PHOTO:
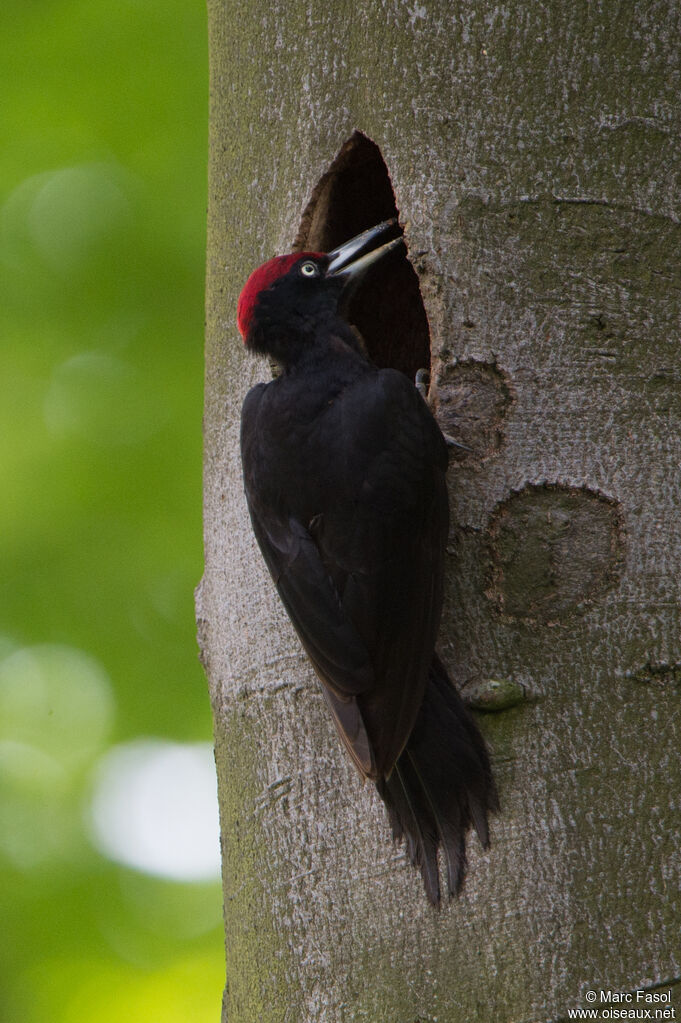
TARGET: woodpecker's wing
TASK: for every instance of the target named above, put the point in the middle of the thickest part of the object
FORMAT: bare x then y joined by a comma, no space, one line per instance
313,604
337,652
352,523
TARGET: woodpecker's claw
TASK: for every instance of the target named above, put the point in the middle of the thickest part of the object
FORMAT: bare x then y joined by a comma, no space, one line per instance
422,382
451,443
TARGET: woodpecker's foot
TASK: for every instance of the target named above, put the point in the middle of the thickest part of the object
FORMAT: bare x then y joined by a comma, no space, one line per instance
451,443
422,382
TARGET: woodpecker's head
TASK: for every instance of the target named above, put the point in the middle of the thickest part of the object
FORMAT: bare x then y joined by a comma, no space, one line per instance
286,299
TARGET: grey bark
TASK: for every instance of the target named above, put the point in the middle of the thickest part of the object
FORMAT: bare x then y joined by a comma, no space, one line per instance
534,154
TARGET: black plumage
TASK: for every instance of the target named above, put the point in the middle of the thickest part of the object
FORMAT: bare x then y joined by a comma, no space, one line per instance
344,471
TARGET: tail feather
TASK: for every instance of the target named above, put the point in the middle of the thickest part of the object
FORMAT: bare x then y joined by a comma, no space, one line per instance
422,839
451,834
441,786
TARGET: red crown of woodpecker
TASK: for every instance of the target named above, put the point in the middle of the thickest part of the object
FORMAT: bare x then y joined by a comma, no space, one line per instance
260,280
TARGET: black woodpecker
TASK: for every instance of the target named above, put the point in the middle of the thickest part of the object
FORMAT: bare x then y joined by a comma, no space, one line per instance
344,471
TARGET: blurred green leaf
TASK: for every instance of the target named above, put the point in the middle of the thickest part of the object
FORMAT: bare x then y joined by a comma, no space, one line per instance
102,205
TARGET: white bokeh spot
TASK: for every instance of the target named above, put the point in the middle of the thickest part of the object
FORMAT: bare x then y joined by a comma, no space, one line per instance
155,809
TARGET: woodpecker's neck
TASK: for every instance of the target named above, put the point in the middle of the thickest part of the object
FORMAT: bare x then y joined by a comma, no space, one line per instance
295,320
338,346
304,343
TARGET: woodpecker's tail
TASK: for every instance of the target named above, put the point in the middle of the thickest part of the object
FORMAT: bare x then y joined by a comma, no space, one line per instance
441,785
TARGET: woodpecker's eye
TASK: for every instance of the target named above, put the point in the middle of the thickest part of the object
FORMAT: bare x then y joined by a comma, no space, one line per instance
309,269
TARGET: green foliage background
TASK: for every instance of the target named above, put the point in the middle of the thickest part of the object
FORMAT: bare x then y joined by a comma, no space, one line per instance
102,207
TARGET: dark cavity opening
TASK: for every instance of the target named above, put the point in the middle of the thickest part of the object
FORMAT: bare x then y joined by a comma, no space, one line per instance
387,309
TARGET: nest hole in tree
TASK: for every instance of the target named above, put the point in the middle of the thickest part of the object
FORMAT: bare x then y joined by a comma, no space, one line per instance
387,309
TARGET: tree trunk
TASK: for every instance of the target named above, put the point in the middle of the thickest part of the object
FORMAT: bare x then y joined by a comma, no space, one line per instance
533,155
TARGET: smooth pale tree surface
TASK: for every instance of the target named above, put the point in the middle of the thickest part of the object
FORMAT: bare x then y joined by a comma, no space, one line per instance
109,898
534,156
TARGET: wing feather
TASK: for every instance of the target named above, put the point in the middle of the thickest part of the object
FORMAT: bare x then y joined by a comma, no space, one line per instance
353,532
